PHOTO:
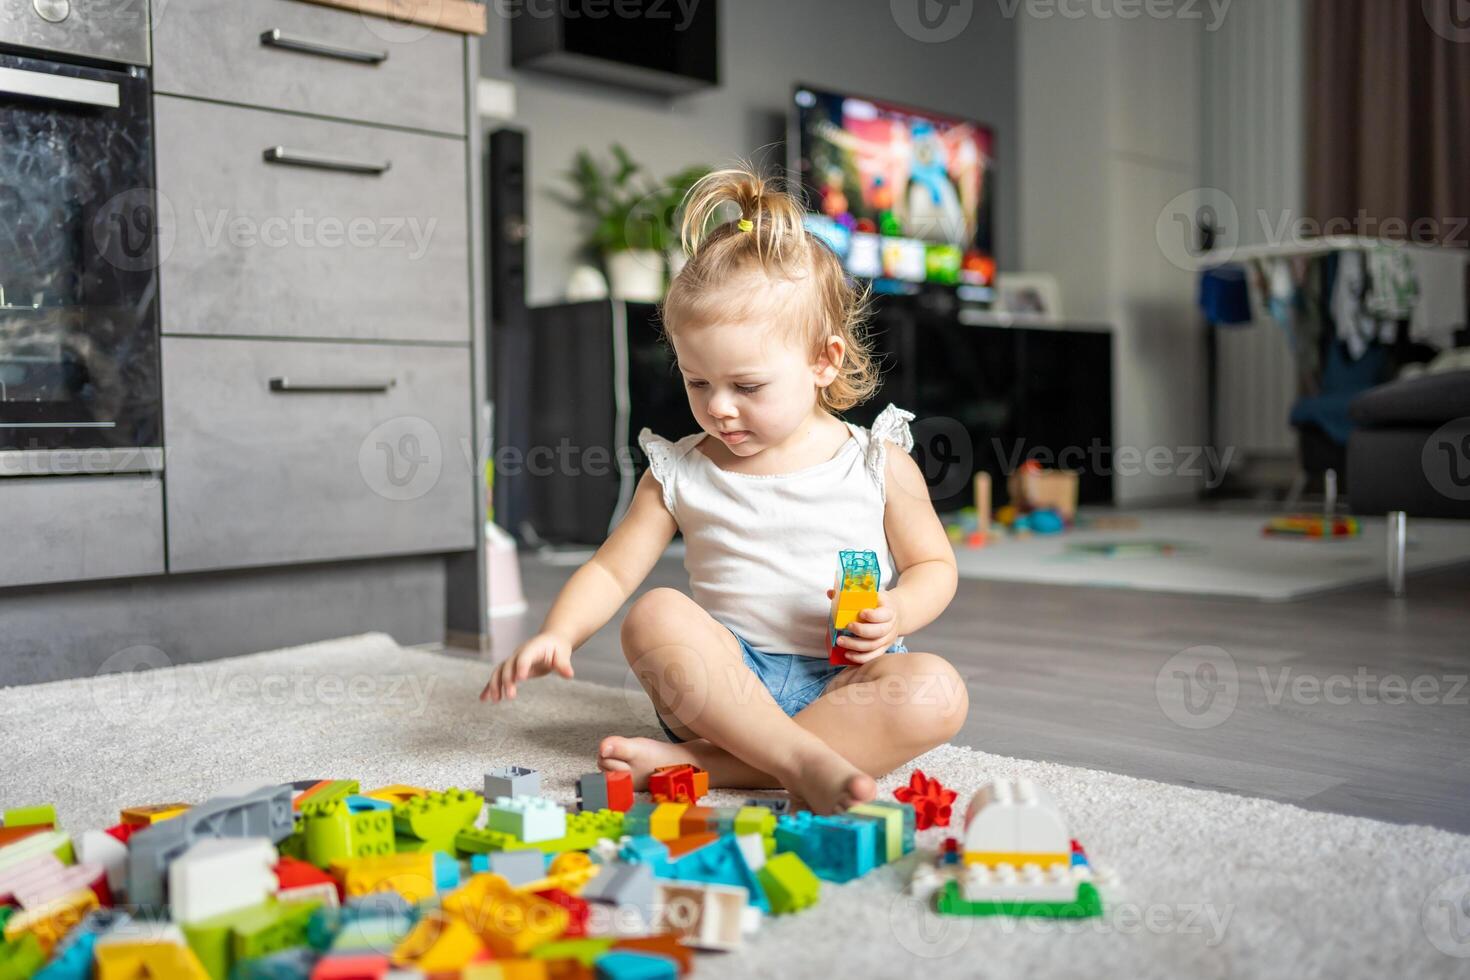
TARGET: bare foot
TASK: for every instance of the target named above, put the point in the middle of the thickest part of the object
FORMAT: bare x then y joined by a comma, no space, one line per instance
828,783
640,756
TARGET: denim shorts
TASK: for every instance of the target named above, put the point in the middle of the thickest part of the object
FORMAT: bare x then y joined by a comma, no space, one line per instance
794,680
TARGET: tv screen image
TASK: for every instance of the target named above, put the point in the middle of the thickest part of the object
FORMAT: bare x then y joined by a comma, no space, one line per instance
899,193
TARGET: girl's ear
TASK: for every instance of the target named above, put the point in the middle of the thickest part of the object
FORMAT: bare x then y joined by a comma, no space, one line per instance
829,361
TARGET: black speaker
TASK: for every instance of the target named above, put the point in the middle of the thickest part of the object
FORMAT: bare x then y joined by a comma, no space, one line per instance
507,230
510,333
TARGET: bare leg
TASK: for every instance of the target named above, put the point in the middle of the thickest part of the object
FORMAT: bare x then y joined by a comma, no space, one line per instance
691,667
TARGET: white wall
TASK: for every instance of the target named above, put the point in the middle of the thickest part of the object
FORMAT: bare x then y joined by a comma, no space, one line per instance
1109,112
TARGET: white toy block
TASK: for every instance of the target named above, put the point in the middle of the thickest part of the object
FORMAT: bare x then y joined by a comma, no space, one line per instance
23,874
1011,884
753,849
221,875
45,842
1015,816
703,915
530,818
47,888
100,847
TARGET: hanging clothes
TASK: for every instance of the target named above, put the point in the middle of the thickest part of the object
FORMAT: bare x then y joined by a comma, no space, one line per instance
1224,297
1393,285
1357,328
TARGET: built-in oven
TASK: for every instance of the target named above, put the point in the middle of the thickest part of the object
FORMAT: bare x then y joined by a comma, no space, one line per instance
79,240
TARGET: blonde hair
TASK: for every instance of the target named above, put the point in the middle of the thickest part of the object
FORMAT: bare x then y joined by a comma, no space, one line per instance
715,284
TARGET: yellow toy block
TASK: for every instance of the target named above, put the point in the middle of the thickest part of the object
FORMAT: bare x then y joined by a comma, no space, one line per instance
438,943
1018,859
509,922
663,822
847,604
506,970
147,961
52,920
144,816
410,875
569,872
397,793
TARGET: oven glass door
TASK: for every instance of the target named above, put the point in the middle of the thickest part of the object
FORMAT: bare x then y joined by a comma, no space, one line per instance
79,252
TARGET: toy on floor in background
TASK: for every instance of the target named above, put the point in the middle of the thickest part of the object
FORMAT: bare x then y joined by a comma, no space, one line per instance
1032,488
973,524
856,589
1312,526
1015,858
678,784
931,800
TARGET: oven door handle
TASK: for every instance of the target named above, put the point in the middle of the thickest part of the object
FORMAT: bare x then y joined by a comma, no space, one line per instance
277,38
320,161
372,387
59,88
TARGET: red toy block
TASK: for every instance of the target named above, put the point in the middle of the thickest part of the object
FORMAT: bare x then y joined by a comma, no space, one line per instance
354,966
123,831
291,873
930,800
577,911
620,791
9,835
697,820
681,783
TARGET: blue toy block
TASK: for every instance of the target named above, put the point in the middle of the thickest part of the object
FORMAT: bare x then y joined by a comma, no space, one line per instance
636,820
512,781
72,959
910,820
527,818
362,804
627,964
289,964
880,835
724,820
721,862
644,849
836,849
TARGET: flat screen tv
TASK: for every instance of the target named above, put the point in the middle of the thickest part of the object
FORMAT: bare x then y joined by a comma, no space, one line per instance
904,196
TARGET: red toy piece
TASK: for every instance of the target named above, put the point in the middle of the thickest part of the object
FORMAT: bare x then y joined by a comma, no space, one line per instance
681,783
930,800
577,911
619,791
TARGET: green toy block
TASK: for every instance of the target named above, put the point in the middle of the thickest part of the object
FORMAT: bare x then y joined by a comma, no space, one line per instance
412,845
210,939
893,823
31,816
755,820
337,789
480,840
584,830
270,928
1087,905
294,846
6,911
910,819
21,958
584,951
438,815
334,832
789,884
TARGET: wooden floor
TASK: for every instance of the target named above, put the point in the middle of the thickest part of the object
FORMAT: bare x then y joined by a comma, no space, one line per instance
1071,675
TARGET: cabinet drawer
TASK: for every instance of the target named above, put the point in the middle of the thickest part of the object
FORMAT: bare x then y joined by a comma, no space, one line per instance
282,451
72,528
255,248
283,54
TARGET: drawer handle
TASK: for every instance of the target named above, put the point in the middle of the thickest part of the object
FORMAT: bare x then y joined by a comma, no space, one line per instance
296,158
287,386
278,38
58,88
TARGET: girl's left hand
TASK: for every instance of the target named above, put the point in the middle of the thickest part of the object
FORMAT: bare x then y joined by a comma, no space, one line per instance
873,632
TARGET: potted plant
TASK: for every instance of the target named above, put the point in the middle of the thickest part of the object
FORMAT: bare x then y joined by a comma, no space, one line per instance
628,217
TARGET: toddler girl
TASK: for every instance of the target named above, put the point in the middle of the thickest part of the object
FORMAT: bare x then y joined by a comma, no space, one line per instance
766,329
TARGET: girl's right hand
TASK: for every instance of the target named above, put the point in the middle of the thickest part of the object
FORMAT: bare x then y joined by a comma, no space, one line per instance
541,654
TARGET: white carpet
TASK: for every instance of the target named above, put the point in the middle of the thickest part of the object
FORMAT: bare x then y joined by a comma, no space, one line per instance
1224,554
1215,885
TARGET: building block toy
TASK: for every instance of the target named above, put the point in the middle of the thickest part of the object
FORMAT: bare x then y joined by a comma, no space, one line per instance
47,841
683,844
932,802
908,822
528,818
835,848
42,814
268,929
517,867
635,821
167,956
9,835
145,816
646,850
592,791
358,966
584,830
619,790
893,823
214,877
663,822
633,965
753,849
1086,904
629,888
789,884
856,588
678,784
322,791
1013,821
509,922
585,950
437,944
666,946
51,921
289,964
414,876
25,873
397,793
72,957
577,910
754,820
340,828
101,848
21,958
704,915
698,820
720,863
436,816
512,781
777,805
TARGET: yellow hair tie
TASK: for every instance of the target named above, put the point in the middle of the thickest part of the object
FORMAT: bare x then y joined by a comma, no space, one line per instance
746,224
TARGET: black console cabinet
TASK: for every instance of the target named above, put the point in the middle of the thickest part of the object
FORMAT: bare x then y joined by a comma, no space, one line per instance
987,397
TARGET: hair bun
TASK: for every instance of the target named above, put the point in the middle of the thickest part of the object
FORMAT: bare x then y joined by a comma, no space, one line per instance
775,217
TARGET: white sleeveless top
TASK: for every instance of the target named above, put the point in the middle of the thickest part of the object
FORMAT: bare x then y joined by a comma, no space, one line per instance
761,551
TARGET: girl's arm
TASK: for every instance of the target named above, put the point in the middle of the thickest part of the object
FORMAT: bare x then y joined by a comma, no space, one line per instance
594,593
922,557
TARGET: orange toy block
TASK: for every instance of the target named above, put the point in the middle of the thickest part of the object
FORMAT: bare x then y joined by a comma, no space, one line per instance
681,783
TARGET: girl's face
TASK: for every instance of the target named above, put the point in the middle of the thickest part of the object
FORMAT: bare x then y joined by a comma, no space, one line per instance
750,385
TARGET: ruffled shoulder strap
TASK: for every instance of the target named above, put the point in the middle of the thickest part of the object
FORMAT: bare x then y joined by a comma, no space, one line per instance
891,425
663,459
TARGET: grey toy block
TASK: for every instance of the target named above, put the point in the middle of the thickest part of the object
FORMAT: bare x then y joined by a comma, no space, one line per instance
266,812
627,886
512,781
777,805
592,791
518,867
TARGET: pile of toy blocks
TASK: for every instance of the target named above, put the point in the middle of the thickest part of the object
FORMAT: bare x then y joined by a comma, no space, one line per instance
320,879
